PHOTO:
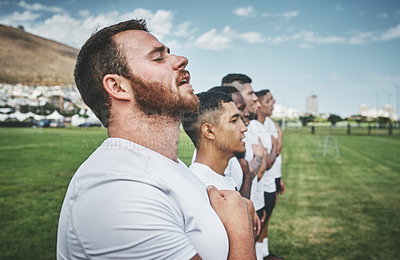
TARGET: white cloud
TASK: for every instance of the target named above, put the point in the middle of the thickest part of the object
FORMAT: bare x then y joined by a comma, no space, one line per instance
358,38
19,17
245,11
391,34
74,31
251,37
290,15
305,46
287,16
159,23
385,79
277,39
173,45
84,13
183,29
311,37
39,7
69,34
212,40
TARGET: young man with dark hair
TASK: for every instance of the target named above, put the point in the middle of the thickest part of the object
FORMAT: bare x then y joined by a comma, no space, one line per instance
133,198
276,132
258,129
241,171
217,132
243,84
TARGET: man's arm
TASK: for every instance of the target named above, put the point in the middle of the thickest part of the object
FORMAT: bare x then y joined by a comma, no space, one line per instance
255,164
248,176
283,187
272,155
264,164
280,140
235,213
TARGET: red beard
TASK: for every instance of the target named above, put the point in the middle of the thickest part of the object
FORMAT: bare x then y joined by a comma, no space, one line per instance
156,99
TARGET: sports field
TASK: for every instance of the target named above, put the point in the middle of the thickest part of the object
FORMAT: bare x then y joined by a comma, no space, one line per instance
334,208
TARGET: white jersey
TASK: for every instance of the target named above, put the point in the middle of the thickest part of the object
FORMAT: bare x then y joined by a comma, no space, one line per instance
127,201
255,131
233,169
210,177
276,168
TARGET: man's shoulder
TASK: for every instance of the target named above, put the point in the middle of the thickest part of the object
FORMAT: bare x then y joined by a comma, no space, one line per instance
122,161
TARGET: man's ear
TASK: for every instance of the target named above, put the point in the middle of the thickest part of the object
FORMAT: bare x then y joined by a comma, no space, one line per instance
117,86
208,131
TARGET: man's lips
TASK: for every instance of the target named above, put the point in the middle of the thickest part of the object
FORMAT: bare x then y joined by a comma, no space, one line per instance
185,79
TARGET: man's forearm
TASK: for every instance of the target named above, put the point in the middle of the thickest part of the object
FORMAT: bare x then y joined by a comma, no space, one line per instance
280,144
272,157
241,245
248,176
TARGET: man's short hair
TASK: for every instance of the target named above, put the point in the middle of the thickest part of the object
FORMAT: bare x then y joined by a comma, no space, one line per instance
237,80
242,78
210,110
261,93
99,56
229,90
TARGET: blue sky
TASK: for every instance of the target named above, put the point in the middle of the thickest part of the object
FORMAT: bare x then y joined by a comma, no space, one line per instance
346,52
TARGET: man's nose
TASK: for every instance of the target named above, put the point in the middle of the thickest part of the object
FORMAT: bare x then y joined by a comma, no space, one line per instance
180,62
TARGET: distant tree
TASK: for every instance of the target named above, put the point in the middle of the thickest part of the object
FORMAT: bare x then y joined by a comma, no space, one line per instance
383,121
21,27
306,119
334,119
319,119
358,118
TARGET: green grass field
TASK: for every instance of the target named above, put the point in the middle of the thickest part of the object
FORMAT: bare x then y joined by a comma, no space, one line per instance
334,208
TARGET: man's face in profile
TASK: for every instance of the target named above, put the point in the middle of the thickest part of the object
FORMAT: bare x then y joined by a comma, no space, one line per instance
241,106
160,82
230,130
250,98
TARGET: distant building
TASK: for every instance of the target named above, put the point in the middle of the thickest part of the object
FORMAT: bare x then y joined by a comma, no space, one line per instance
312,104
363,109
389,109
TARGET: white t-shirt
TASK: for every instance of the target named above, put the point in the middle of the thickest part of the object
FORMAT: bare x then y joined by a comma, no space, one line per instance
276,168
126,201
257,130
233,169
256,193
210,177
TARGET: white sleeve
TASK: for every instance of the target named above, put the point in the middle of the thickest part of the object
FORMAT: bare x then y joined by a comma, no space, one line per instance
251,138
135,221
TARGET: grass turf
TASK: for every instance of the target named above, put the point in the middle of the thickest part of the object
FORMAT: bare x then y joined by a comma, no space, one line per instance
334,208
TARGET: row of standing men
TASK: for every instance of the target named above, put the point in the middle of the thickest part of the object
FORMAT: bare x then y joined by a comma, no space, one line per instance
238,147
133,198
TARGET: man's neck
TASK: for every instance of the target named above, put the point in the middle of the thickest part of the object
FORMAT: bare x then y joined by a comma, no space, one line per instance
261,118
213,158
157,133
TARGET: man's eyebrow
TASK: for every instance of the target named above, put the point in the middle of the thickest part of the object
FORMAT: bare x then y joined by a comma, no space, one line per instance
234,116
159,49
